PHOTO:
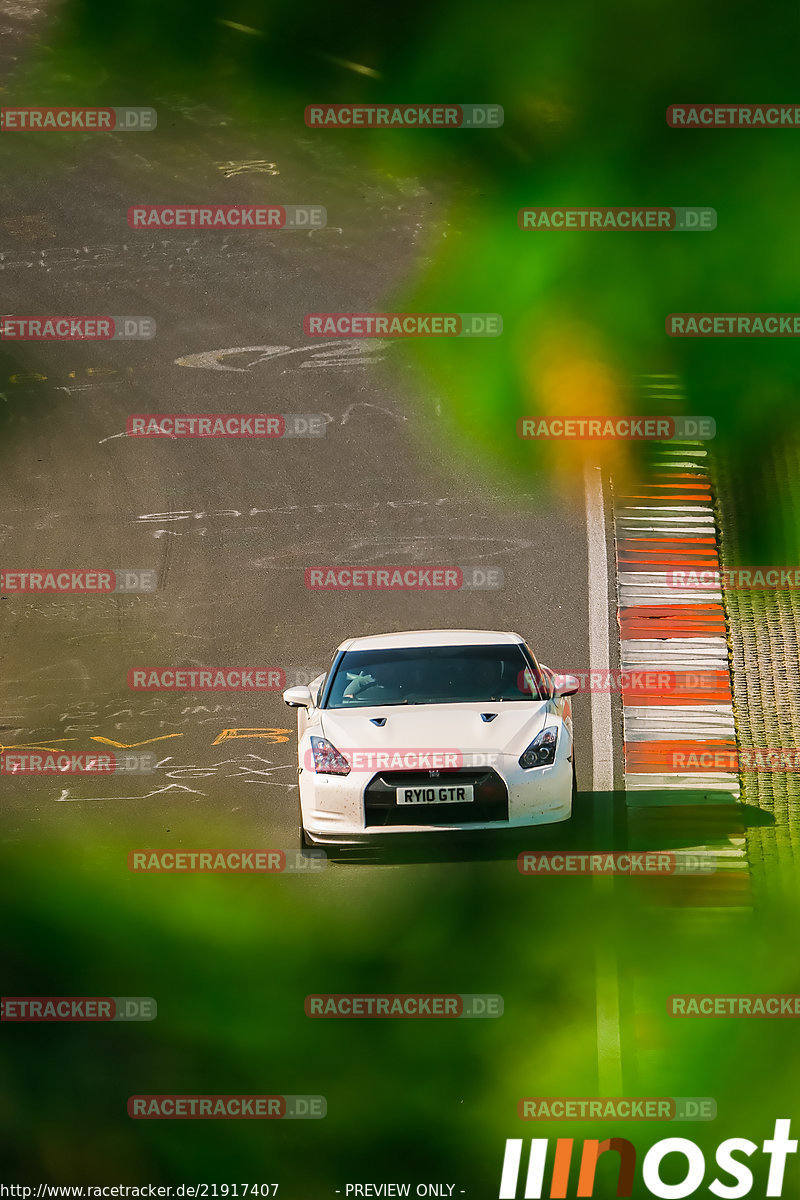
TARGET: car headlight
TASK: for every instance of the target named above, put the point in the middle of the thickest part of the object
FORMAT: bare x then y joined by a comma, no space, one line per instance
542,750
327,759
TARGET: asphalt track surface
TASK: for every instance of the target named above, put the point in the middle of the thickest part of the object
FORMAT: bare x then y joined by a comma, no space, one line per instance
230,525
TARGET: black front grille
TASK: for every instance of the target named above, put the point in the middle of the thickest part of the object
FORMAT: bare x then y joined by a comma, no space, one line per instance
490,801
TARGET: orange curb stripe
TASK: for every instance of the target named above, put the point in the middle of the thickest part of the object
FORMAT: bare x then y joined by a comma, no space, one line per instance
639,697
657,757
666,501
691,565
677,687
688,554
675,546
700,485
697,485
665,621
674,553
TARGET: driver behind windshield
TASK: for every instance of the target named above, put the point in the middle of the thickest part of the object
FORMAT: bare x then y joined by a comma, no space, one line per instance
386,685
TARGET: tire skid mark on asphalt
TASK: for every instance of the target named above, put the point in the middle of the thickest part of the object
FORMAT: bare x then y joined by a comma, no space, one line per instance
334,353
184,514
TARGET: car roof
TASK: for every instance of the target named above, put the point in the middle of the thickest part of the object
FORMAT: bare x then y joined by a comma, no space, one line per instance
432,637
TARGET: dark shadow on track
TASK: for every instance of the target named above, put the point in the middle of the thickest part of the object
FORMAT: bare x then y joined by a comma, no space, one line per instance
481,846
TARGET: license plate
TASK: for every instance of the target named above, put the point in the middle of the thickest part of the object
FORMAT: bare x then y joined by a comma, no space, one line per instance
440,794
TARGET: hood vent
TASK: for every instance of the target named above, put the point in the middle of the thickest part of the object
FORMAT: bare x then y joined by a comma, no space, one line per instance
488,717
379,721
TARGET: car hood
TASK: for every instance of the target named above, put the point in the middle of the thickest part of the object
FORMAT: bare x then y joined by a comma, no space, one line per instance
439,726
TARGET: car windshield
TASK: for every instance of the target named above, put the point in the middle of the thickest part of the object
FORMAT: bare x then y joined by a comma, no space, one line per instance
435,675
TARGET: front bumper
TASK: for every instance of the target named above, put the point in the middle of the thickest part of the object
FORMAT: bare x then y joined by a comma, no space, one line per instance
359,808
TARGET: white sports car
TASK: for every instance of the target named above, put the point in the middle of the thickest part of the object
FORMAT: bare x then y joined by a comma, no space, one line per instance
433,730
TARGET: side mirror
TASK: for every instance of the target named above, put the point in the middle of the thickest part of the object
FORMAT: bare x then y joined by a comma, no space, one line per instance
298,697
565,685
